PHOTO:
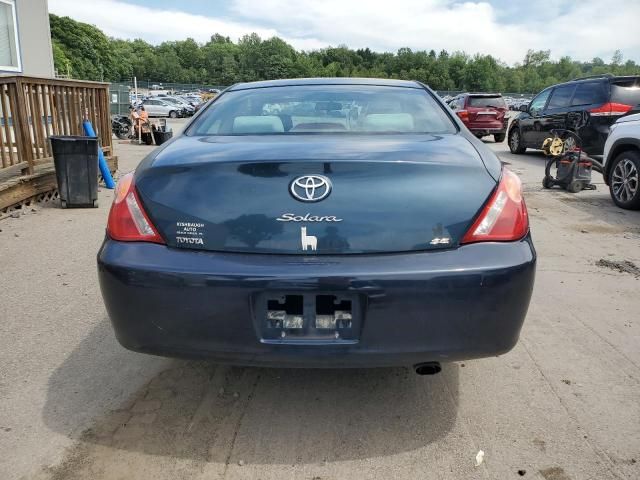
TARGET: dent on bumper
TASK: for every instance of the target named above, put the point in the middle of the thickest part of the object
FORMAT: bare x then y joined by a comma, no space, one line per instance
449,305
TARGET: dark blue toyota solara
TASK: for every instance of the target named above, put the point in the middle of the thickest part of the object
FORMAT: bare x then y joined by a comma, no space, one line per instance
320,223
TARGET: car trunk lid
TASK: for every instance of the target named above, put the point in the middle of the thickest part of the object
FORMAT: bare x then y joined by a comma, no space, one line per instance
390,193
486,109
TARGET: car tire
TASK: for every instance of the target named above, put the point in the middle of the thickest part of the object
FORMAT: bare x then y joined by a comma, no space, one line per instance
624,178
173,114
515,141
499,137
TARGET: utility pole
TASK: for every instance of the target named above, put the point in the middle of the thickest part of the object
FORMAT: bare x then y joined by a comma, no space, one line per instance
135,89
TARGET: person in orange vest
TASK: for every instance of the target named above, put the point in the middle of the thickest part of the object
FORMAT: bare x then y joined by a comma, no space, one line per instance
144,116
142,127
133,115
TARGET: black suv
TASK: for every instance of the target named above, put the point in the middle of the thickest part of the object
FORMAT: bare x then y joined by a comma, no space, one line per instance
587,106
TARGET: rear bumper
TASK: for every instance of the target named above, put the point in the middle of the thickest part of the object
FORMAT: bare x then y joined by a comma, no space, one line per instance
488,129
437,306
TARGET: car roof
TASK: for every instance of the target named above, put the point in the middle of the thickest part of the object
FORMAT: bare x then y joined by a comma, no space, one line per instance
326,81
595,78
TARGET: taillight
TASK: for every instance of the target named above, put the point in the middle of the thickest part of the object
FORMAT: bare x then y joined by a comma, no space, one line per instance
464,115
610,109
504,217
128,221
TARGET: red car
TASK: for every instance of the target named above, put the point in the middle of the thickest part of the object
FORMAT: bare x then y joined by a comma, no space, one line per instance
482,113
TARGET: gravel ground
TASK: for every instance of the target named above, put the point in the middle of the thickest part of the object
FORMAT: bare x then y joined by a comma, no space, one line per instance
563,405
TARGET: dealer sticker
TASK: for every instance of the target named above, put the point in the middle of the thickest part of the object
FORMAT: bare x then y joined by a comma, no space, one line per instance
189,233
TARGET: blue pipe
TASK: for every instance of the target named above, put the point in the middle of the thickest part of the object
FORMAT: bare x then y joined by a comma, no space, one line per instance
104,168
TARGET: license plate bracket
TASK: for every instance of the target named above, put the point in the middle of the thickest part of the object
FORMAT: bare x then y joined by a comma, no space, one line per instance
306,318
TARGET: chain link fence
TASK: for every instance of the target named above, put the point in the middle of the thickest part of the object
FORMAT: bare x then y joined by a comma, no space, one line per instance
173,87
188,87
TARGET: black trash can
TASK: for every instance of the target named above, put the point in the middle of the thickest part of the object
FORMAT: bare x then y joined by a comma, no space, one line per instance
160,137
76,162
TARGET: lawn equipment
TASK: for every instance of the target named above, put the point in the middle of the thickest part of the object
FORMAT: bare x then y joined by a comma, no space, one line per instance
573,166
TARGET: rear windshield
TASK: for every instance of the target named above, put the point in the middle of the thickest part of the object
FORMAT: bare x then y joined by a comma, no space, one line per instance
495,102
626,91
323,109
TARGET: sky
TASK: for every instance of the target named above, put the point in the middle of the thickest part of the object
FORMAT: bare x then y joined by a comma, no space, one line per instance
506,29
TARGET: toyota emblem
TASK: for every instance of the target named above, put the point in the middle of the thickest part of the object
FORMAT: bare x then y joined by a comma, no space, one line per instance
310,188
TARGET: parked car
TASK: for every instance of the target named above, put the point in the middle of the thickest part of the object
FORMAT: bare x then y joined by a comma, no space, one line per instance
587,106
156,107
621,162
509,102
196,103
134,99
185,109
388,237
516,103
190,98
482,113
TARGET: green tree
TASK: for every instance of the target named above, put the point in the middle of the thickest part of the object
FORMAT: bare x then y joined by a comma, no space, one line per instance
616,59
90,53
60,59
84,52
536,58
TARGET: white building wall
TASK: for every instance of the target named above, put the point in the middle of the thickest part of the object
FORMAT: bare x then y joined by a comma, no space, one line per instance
34,37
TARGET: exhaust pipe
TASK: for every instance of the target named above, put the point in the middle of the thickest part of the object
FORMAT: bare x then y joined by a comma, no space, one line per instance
427,368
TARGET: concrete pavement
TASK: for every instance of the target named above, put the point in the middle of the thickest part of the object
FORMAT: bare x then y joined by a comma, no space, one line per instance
562,405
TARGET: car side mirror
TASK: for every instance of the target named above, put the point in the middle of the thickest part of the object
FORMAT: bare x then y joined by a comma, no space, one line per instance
524,108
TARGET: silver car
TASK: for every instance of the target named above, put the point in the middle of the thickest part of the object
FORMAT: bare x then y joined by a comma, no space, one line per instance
178,102
160,108
621,161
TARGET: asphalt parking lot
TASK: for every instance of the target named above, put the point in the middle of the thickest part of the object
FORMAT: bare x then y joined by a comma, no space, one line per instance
563,405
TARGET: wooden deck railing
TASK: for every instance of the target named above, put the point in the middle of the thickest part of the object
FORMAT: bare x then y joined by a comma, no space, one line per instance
32,109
